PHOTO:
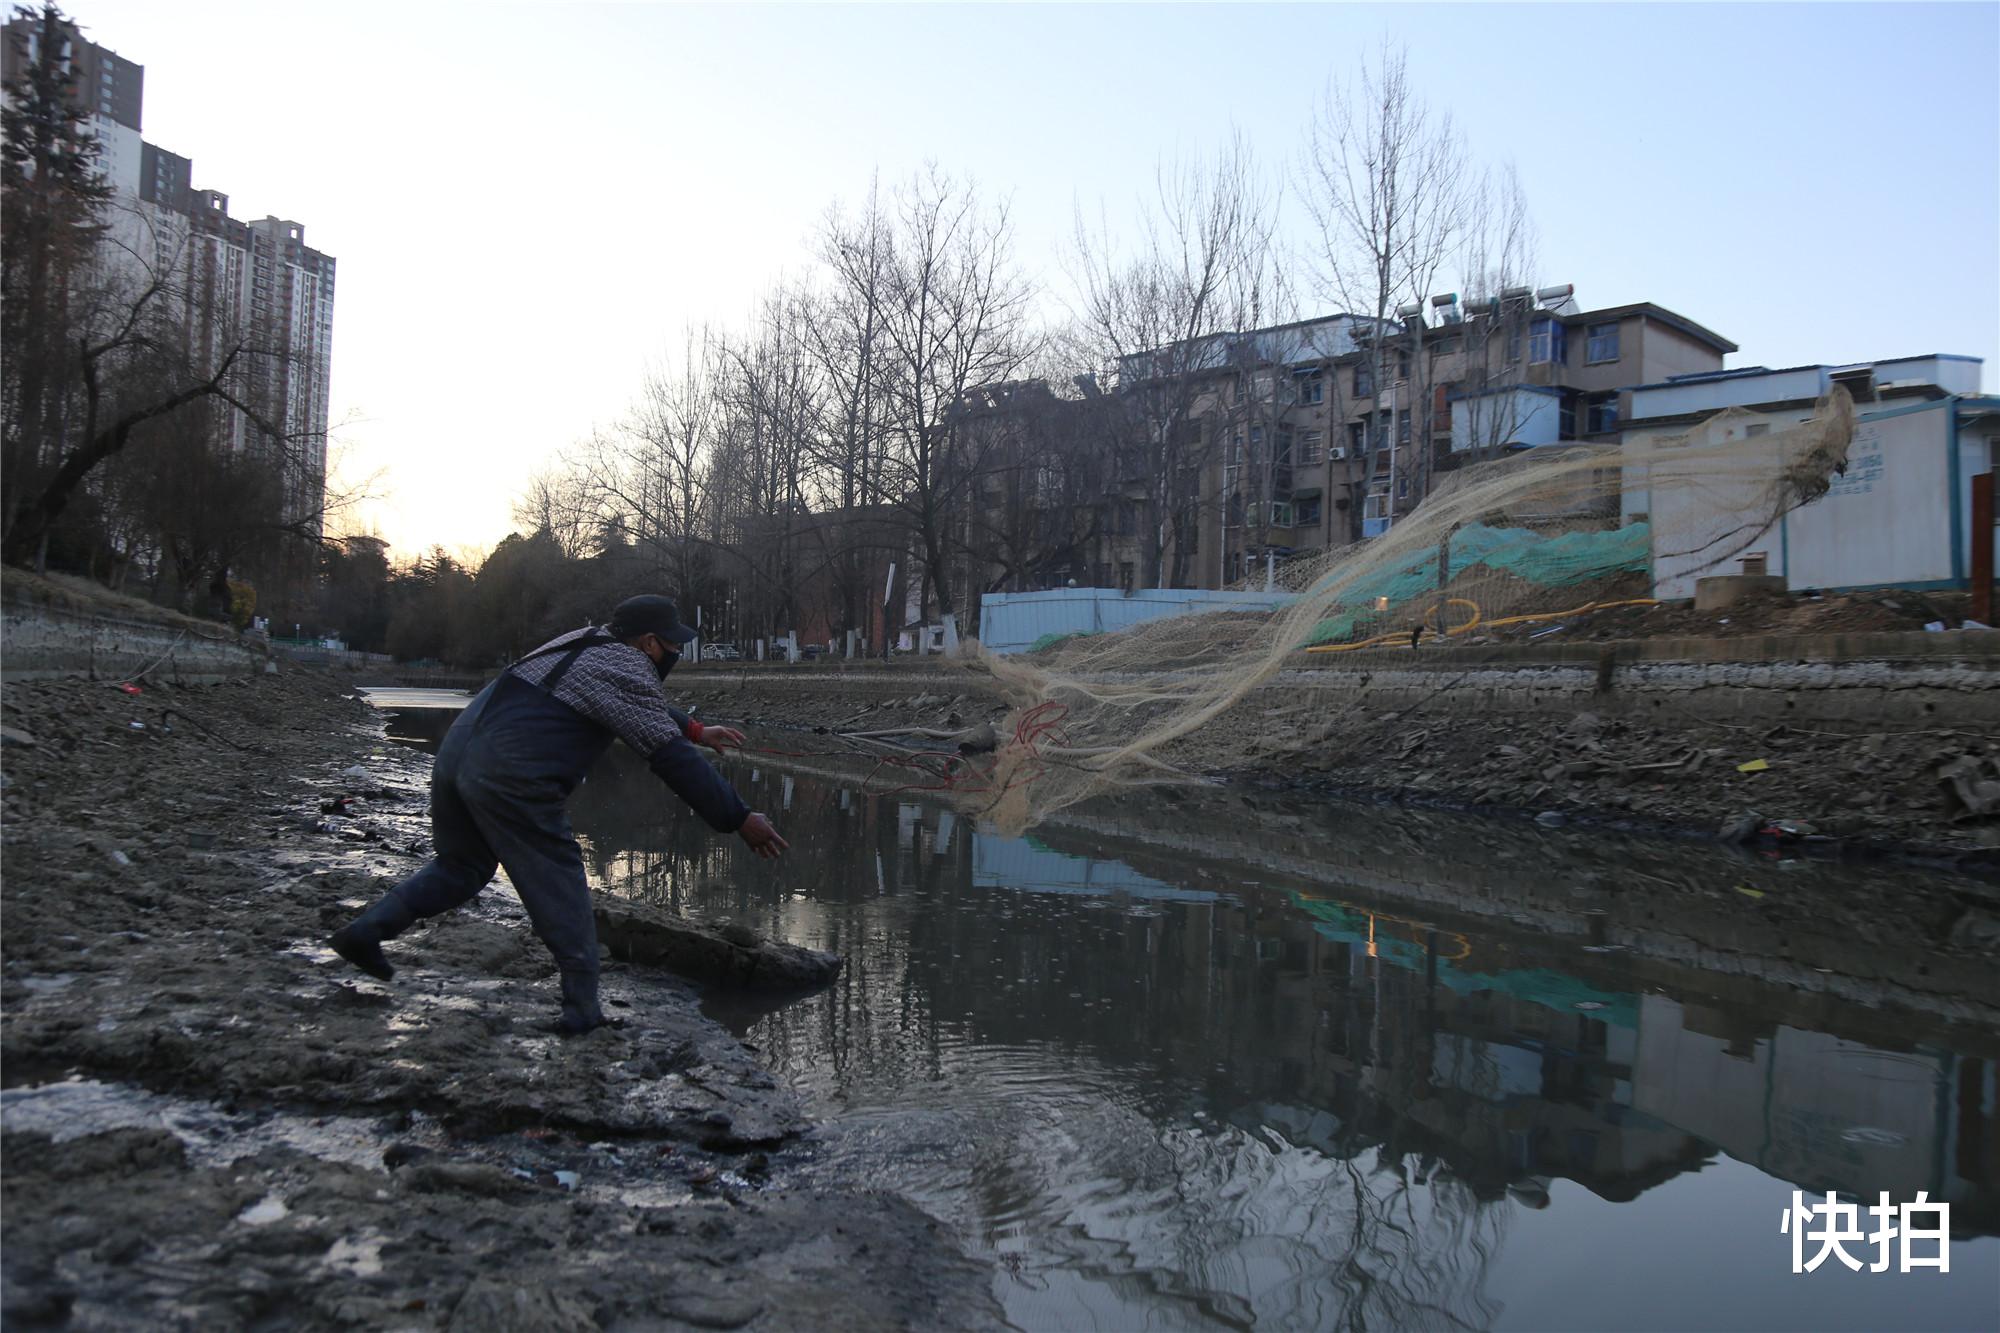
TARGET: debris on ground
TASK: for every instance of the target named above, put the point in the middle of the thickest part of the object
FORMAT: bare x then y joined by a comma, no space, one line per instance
167,897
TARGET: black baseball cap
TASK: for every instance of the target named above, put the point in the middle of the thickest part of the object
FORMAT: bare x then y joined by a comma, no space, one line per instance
649,613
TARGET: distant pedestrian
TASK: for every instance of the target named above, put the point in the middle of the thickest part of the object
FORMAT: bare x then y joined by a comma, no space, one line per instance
508,765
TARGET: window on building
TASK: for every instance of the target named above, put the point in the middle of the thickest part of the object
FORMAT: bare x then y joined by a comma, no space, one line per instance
1357,439
1311,386
1566,419
1236,448
1403,431
1283,457
1381,433
1307,512
1548,343
1236,389
1256,437
1602,345
1364,380
1281,513
1125,574
1403,364
1756,428
1309,448
1603,416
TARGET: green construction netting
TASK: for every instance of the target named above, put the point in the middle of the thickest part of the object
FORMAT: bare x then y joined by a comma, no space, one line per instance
1051,640
1554,562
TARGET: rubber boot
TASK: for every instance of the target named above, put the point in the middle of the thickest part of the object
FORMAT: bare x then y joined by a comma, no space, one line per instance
580,1012
360,940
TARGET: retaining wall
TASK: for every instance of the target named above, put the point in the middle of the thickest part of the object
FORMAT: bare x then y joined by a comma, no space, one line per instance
1893,681
41,642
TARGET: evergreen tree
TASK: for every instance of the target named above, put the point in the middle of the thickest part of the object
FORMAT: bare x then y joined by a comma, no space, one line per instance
52,202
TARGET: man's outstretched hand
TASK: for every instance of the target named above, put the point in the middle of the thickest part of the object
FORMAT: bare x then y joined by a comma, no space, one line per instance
761,838
722,739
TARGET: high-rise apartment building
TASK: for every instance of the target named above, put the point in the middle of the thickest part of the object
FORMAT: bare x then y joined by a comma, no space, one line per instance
252,287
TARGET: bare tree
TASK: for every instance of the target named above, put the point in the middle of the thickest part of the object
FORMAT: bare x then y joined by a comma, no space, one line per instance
646,489
954,320
1160,321
559,501
844,336
131,369
1384,178
776,407
1497,255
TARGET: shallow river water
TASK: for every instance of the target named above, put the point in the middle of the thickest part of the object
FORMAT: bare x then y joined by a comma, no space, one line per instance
1173,1071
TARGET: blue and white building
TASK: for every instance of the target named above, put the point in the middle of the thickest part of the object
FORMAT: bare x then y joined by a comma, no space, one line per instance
1899,516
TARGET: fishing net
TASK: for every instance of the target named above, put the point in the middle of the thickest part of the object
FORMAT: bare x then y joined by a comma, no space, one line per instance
1497,548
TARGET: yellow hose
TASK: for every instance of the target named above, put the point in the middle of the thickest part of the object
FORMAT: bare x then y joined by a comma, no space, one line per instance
1401,637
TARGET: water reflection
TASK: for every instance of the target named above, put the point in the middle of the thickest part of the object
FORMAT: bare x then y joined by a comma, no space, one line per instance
1171,1071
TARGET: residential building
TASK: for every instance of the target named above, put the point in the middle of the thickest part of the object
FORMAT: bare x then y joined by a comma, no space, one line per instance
1047,509
108,88
1899,515
1299,452
247,285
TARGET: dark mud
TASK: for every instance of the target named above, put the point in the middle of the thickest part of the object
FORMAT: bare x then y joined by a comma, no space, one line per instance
168,888
1853,791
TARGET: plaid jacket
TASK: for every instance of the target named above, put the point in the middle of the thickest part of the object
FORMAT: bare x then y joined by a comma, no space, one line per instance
615,686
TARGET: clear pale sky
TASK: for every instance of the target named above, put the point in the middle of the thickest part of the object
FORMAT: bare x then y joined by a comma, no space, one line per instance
528,202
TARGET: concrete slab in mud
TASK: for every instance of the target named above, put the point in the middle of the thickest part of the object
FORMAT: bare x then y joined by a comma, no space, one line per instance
733,956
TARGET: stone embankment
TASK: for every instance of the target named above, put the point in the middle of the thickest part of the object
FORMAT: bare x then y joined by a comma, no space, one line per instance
211,1121
1865,742
57,629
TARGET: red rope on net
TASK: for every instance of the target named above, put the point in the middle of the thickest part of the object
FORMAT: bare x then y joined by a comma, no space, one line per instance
956,774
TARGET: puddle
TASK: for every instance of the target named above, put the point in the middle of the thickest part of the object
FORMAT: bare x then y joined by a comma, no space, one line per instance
359,1256
265,1211
214,1137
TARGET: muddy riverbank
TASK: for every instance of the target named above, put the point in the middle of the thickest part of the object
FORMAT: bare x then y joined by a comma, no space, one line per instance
1931,793
211,1122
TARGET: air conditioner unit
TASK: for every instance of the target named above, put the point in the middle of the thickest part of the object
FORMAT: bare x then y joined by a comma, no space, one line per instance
1337,453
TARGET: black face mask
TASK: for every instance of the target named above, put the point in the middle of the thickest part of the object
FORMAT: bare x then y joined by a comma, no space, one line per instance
665,664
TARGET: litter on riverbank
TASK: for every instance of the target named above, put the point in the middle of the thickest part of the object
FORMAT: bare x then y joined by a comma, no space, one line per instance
1927,793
